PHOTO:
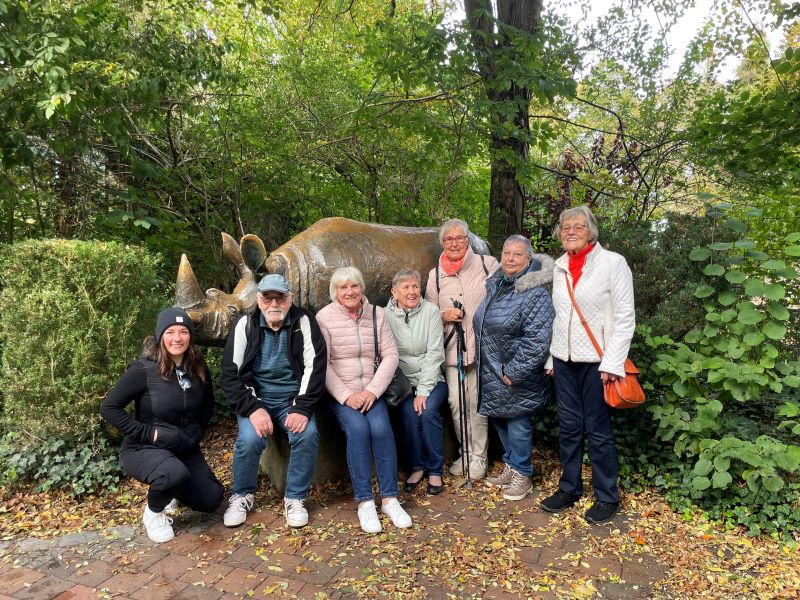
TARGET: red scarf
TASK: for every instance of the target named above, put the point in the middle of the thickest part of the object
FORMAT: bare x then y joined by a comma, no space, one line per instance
452,266
576,262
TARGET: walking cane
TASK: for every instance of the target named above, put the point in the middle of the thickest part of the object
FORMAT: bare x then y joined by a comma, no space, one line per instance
463,404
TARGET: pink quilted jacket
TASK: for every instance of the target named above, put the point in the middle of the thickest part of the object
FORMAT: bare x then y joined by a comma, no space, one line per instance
351,350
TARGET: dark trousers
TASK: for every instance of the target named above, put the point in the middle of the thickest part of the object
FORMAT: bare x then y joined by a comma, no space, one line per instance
186,477
582,410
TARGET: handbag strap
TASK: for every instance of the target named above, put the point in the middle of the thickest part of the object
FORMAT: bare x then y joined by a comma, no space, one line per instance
377,359
580,316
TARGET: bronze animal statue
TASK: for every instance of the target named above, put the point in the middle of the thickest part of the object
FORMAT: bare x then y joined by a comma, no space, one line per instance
308,261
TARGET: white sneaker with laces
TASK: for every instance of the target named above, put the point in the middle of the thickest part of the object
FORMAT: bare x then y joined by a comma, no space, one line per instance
295,513
158,526
395,512
368,517
477,468
238,506
171,508
455,468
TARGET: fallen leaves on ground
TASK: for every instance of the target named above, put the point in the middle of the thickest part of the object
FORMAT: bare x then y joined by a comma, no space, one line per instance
467,543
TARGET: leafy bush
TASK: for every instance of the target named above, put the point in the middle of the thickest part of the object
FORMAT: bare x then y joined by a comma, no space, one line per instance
73,315
729,403
664,278
78,467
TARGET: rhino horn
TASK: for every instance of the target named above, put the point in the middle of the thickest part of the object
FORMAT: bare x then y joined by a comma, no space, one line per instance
187,290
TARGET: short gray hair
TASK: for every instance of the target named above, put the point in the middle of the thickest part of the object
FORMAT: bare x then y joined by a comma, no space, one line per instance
579,211
404,274
452,224
520,239
343,275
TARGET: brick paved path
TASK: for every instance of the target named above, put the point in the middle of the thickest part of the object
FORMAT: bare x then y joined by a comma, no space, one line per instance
464,544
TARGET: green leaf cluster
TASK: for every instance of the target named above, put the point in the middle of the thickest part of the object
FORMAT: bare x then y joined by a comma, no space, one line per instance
72,317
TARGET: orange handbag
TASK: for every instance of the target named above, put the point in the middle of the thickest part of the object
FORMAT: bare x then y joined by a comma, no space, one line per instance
625,392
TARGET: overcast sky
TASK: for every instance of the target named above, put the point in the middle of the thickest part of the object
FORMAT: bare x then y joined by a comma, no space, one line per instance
681,34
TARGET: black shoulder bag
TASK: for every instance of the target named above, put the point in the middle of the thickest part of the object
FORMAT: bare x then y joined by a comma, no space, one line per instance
400,387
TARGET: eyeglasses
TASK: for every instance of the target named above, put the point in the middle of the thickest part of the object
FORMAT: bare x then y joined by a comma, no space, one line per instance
575,228
454,239
183,379
267,300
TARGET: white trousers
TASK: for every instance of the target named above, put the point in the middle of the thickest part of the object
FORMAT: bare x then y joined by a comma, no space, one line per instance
478,430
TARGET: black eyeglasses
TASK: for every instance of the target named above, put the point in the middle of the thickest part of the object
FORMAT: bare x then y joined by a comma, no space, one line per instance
183,378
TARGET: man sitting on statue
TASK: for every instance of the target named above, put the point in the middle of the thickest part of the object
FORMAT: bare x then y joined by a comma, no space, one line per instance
273,371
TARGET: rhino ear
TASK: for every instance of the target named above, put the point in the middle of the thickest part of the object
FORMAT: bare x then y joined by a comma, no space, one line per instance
253,252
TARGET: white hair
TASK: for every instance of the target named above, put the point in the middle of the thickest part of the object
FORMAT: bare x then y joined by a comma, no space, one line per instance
579,211
452,224
343,275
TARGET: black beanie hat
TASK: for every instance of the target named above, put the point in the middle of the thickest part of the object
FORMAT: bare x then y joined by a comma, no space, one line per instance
172,316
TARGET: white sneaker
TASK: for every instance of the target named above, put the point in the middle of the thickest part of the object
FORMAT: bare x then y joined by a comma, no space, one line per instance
295,513
238,505
368,517
158,526
455,468
171,508
395,512
477,468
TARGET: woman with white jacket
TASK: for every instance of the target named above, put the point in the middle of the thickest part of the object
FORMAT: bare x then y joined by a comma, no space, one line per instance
357,387
602,285
417,328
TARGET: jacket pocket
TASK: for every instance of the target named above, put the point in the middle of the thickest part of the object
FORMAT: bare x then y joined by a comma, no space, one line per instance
169,438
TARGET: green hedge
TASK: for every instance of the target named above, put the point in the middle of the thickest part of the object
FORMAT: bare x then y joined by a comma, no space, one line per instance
73,315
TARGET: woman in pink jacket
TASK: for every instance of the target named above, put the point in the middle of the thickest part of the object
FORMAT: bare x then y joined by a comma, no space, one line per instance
356,386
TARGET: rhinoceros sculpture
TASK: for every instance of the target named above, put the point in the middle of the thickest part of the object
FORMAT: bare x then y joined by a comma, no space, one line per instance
307,261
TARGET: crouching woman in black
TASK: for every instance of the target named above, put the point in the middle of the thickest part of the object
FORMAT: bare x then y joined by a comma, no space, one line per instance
170,386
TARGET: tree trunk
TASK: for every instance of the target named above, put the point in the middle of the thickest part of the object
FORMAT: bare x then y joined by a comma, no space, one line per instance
489,37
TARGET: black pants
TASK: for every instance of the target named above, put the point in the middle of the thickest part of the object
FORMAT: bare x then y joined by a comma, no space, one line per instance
186,477
583,410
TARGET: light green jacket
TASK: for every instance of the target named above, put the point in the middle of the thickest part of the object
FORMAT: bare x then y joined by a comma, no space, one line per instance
418,335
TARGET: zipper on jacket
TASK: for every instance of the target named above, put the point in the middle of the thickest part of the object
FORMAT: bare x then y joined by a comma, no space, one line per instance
360,364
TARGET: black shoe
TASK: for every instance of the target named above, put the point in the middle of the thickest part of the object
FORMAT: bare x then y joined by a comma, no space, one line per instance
601,512
435,490
410,486
558,502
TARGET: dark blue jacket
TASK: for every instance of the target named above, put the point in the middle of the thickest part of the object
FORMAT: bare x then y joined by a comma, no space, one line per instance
513,326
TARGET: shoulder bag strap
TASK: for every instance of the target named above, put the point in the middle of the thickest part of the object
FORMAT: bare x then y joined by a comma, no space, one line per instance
580,316
377,359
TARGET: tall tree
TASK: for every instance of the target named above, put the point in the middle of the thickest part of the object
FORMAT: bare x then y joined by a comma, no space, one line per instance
495,40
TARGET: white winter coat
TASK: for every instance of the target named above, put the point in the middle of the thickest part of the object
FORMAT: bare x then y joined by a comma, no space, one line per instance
605,296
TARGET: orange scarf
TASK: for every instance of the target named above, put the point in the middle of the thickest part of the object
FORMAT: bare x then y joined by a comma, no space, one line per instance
451,266
576,262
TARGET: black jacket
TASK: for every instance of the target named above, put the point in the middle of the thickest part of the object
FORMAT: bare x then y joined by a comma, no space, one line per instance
181,416
307,355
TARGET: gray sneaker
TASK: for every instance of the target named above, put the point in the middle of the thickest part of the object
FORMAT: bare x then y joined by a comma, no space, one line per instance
455,468
520,486
503,480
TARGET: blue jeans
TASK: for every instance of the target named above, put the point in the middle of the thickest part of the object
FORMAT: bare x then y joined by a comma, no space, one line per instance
369,437
423,437
516,435
302,455
583,410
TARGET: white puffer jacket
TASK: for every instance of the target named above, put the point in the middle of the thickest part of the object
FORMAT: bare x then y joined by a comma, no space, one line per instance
605,297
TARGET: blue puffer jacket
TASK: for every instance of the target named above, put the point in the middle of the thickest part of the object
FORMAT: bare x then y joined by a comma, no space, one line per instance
513,328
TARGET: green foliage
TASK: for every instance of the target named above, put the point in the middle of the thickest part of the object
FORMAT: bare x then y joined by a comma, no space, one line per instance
665,277
83,466
728,371
73,316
